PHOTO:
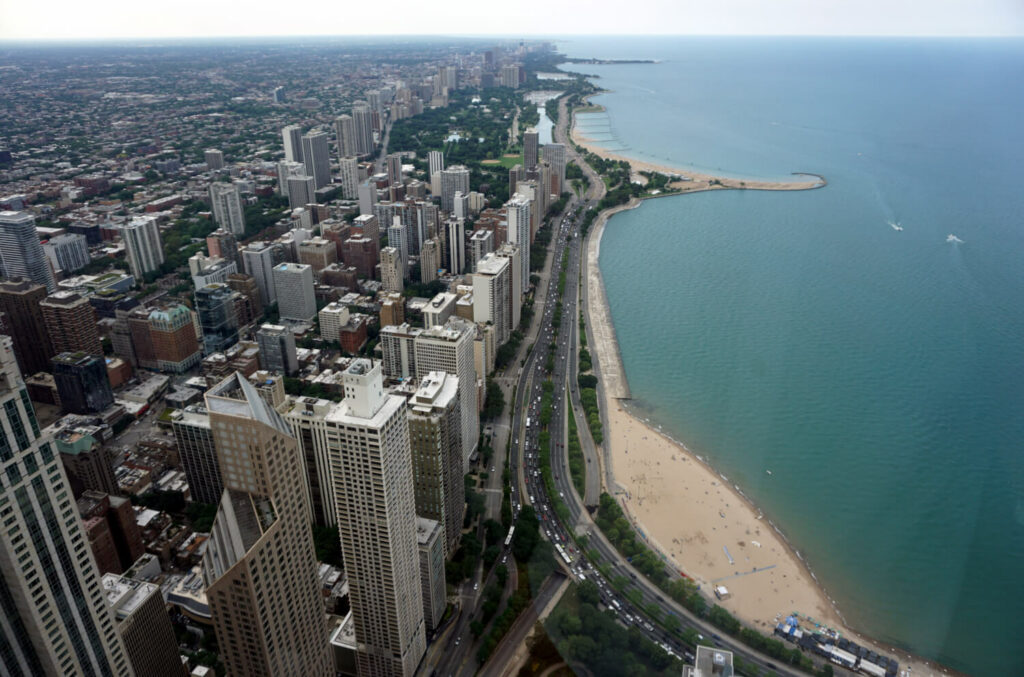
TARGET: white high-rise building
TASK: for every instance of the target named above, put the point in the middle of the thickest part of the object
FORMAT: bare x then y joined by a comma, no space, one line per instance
54,619
345,133
398,237
435,161
456,232
285,170
398,347
296,299
516,283
349,176
481,243
227,207
518,217
367,198
21,255
371,469
362,123
259,259
317,157
142,242
454,180
68,252
391,269
333,317
460,205
450,349
292,136
492,296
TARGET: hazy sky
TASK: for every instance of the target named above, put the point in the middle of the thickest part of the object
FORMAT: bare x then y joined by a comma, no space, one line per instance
62,19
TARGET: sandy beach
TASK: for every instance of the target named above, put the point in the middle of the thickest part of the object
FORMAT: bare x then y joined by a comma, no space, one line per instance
694,516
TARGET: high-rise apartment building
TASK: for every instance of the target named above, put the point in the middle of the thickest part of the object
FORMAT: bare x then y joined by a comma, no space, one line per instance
21,254
398,237
517,213
259,259
317,253
430,542
455,230
24,322
375,504
345,134
214,159
82,382
531,141
285,170
317,157
292,137
454,180
435,435
492,296
222,243
277,349
144,626
362,253
68,252
215,306
430,260
554,155
481,243
435,161
198,456
391,269
393,164
260,564
296,299
71,323
301,190
142,243
450,349
398,347
349,177
172,334
362,123
516,283
307,418
54,617
227,207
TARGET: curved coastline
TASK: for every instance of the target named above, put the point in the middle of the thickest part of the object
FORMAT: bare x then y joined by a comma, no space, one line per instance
622,419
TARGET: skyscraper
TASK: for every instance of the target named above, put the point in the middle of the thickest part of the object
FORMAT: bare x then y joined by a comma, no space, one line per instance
376,512
430,260
54,617
144,626
345,133
349,177
398,237
227,207
492,296
277,349
222,243
292,136
68,252
316,154
198,456
362,122
21,255
554,154
142,242
435,161
454,180
531,139
435,434
23,321
518,216
393,163
295,295
172,333
260,565
450,349
215,307
306,417
285,170
82,382
259,259
71,323
512,252
391,269
430,539
214,159
301,190
481,243
456,235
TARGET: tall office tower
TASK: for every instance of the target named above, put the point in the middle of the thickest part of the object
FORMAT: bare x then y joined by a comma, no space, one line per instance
260,565
391,270
172,332
198,456
285,170
296,299
518,217
430,542
554,154
456,235
398,237
454,180
430,260
435,161
68,252
222,243
516,283
492,296
435,433
142,243
317,156
349,177
23,321
460,205
71,323
301,190
144,626
369,439
450,349
481,243
259,259
292,136
214,159
21,255
54,620
277,349
398,348
367,198
531,139
215,306
82,382
227,207
393,163
362,123
345,133
515,175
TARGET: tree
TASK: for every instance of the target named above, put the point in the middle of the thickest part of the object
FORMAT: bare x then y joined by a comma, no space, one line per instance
589,592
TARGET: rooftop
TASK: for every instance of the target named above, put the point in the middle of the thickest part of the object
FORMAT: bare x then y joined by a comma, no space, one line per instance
125,595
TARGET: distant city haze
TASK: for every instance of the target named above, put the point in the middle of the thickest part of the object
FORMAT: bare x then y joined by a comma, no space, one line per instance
65,20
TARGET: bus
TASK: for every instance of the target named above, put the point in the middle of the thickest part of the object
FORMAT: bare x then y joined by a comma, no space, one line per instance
527,421
508,539
561,553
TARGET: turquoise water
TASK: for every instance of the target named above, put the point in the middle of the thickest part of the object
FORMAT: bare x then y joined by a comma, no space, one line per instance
879,374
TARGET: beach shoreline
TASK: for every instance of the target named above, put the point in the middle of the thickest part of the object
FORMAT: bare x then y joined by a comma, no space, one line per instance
686,510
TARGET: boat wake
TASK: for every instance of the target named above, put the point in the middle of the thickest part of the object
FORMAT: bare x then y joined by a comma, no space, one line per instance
954,239
896,225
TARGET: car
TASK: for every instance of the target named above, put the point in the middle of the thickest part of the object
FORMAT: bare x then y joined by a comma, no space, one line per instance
492,467
476,586
457,640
